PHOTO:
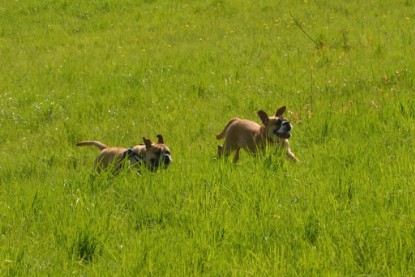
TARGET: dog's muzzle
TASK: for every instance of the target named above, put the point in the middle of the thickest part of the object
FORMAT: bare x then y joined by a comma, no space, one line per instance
164,159
284,130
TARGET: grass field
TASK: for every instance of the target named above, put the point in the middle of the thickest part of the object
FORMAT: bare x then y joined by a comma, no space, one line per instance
116,71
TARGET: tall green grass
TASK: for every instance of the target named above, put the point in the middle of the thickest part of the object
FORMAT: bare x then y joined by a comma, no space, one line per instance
117,71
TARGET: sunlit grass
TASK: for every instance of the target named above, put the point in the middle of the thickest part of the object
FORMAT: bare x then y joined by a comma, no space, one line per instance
117,71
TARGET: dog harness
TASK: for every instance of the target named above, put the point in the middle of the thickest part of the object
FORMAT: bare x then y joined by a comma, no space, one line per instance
130,152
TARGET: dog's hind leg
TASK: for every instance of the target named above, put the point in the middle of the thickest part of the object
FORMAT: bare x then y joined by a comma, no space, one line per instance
220,151
224,151
236,156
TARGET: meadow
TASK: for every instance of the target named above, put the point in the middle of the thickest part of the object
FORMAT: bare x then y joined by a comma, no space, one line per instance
117,71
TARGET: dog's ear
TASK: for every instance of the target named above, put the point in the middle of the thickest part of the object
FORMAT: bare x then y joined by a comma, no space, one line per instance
147,142
161,140
263,116
280,111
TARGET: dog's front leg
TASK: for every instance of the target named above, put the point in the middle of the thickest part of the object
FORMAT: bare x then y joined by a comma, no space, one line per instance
292,156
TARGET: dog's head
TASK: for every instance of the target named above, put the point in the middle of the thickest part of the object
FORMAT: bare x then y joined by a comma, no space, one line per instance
156,154
277,127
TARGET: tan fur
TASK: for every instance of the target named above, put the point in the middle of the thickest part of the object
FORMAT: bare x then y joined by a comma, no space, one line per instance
152,154
252,137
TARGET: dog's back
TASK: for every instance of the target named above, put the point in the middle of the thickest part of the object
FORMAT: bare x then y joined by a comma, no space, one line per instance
239,127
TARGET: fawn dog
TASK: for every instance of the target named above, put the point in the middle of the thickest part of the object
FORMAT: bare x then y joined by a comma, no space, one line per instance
253,138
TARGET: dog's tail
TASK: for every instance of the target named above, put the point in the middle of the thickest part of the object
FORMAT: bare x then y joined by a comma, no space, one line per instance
98,144
222,134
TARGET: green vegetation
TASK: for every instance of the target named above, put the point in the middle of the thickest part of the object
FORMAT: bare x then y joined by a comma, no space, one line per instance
116,71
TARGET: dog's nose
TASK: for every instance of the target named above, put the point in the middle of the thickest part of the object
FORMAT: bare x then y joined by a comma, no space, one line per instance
287,125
